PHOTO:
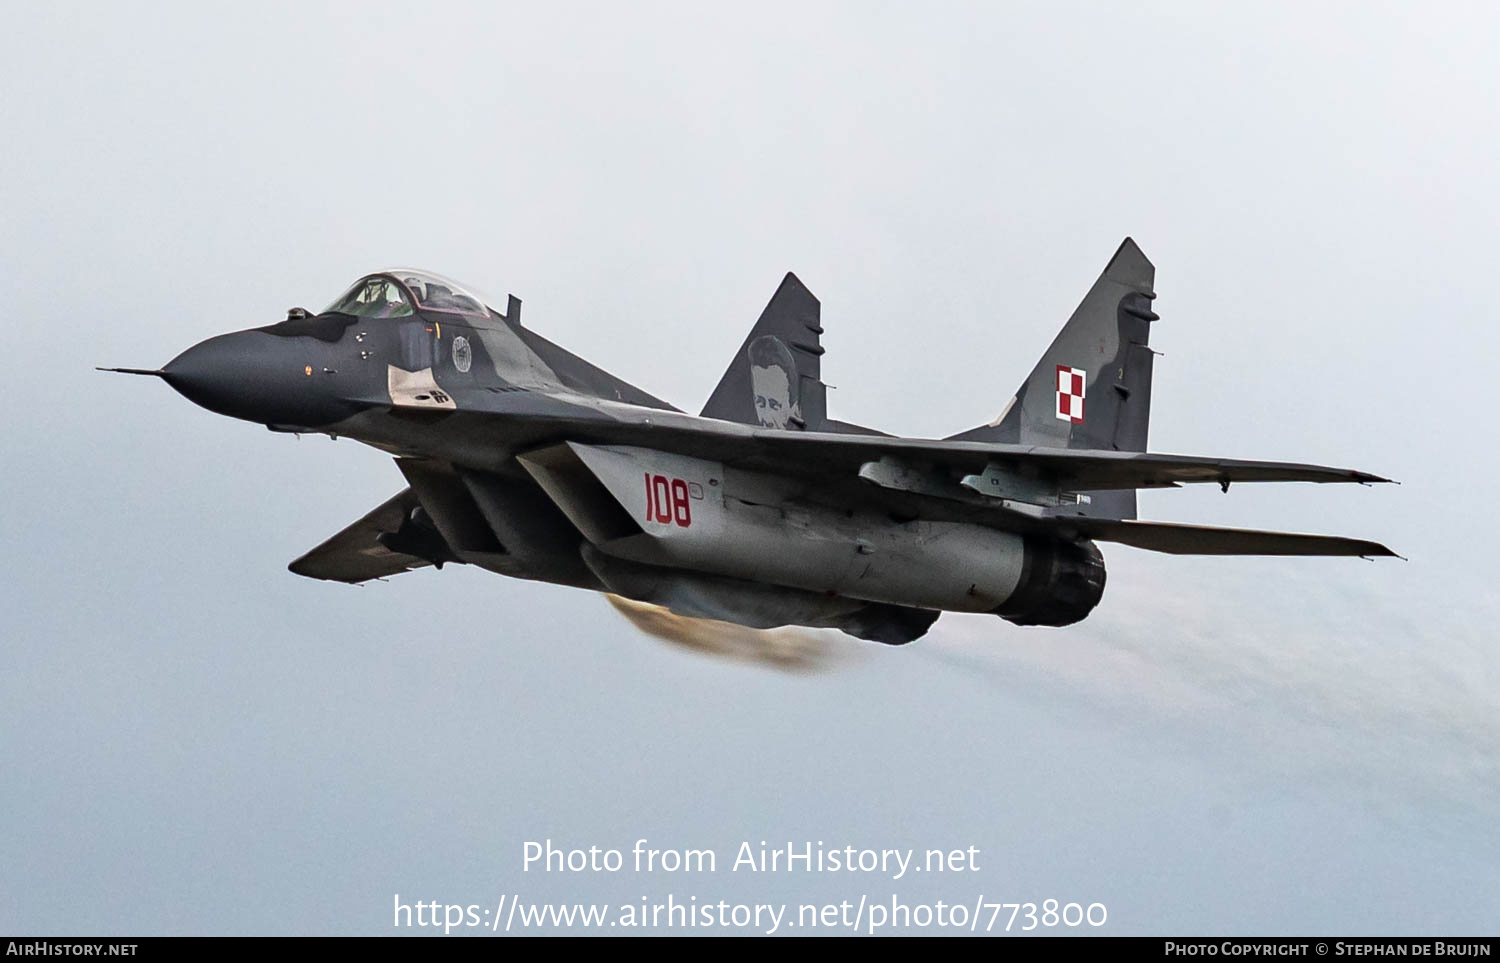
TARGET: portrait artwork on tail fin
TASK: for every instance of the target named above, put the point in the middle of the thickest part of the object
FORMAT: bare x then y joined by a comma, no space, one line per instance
773,382
775,379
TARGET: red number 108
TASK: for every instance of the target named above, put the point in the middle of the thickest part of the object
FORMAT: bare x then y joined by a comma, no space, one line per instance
667,500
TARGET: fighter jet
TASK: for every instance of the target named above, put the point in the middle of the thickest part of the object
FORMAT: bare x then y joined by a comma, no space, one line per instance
527,461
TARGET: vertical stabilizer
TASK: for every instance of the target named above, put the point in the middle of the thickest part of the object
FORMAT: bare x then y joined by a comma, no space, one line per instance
775,378
1092,387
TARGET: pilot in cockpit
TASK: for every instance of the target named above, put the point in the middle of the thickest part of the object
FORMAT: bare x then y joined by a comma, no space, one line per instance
374,297
403,292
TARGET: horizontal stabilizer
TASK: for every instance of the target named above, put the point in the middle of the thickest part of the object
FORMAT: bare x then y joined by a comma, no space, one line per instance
1177,539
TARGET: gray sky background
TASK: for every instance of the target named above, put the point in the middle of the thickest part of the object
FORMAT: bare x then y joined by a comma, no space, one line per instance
195,741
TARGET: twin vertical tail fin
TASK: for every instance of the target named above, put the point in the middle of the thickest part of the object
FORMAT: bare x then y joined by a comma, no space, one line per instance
1092,387
775,379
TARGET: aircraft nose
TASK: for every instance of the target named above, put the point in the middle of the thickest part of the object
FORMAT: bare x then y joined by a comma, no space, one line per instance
250,375
206,373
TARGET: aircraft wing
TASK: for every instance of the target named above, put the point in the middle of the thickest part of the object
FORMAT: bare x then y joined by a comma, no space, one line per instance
356,554
1088,470
473,435
922,477
1074,469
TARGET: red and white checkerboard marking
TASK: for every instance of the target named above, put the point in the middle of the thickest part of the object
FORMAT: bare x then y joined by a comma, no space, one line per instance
1070,385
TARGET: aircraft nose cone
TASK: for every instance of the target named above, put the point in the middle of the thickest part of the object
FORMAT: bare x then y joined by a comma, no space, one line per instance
250,375
206,373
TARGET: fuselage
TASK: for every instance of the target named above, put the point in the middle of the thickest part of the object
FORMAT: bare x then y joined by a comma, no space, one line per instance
526,460
533,463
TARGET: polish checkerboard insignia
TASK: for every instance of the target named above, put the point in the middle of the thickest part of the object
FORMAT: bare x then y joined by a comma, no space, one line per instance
1070,387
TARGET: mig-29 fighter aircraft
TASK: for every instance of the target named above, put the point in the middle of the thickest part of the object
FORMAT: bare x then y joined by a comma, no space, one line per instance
528,461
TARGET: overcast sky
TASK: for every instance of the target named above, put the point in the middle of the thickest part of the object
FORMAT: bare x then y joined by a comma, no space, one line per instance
193,740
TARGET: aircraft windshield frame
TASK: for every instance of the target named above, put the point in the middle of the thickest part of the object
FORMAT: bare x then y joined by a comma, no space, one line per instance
402,292
433,292
374,296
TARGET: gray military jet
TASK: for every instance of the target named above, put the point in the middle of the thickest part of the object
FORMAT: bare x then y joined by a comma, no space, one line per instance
526,460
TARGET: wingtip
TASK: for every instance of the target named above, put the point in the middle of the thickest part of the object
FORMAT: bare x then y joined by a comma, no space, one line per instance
1376,550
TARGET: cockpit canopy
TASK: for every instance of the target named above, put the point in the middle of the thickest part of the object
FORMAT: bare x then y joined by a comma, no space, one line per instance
400,292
